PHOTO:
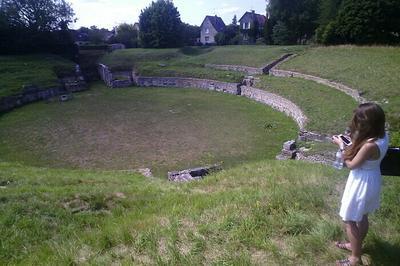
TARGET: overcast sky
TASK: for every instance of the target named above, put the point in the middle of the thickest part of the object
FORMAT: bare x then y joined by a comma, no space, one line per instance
109,13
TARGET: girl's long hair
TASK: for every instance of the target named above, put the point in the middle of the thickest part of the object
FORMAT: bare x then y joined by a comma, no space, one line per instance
368,123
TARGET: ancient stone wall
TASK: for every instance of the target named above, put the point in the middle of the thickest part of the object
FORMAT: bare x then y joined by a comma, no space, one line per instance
120,79
245,69
349,91
277,102
205,84
268,67
33,93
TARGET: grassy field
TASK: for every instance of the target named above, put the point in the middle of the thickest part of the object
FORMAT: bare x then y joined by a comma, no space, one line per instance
68,195
271,212
163,129
372,70
328,110
39,70
190,61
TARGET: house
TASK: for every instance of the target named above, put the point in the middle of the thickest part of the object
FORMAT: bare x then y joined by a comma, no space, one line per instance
136,26
247,23
211,26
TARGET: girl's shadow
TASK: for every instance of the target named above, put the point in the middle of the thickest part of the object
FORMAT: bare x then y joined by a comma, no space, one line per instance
382,252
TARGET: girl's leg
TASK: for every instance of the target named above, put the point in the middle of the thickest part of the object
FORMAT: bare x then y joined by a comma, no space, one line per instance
354,235
363,227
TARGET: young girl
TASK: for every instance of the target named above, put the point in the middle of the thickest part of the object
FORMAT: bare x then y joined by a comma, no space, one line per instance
362,191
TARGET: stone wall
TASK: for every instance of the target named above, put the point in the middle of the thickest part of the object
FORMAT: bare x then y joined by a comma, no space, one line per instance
277,102
33,93
204,84
119,79
270,66
349,91
245,69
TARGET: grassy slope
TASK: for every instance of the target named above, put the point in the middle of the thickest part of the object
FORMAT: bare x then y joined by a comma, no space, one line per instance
271,212
372,70
190,61
328,110
39,70
164,129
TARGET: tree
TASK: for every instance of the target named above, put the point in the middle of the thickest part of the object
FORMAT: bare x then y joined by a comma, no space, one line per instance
35,26
281,34
299,16
368,21
126,34
38,15
160,25
190,34
234,20
363,22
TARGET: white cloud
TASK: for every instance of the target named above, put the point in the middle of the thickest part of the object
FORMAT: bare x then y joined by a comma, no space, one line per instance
228,9
106,13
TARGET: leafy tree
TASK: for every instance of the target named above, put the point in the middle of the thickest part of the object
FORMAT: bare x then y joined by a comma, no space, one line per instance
281,34
190,34
38,15
363,22
220,38
368,21
127,35
160,25
35,26
299,16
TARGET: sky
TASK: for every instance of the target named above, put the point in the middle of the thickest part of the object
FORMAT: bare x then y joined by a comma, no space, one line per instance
110,13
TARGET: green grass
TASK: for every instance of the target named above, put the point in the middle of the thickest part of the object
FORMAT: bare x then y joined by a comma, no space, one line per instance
274,212
190,61
328,110
374,70
39,70
164,129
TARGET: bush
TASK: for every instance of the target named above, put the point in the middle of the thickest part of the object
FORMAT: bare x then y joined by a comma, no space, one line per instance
220,38
327,34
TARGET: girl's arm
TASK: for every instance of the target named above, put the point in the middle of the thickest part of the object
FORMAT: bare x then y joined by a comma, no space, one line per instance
368,151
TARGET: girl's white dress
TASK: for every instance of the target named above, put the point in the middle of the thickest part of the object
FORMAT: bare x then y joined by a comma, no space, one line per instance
363,187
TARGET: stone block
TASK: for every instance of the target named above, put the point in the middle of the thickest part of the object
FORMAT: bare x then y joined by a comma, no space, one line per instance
289,145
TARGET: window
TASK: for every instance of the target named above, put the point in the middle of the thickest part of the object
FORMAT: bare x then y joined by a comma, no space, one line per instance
207,30
207,38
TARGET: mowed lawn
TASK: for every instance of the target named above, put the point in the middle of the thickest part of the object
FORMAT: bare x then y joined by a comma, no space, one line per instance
265,213
329,111
190,61
161,128
39,70
373,70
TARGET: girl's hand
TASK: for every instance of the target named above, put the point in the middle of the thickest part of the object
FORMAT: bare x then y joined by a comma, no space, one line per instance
338,141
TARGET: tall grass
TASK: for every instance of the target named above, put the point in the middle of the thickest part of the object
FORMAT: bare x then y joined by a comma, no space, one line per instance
260,213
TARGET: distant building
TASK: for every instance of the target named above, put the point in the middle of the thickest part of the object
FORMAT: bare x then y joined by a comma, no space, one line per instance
211,26
250,20
136,26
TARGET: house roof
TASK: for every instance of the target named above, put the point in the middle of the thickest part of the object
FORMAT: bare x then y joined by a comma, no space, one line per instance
254,16
216,21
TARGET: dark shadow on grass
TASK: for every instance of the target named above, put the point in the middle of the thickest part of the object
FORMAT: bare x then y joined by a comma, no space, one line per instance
383,252
193,51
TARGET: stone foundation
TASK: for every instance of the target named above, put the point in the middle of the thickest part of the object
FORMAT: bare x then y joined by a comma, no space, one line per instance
245,69
277,102
204,84
349,91
33,93
192,174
